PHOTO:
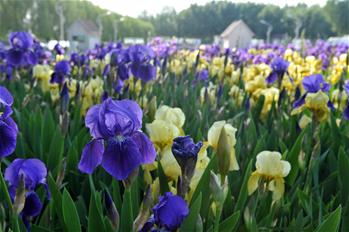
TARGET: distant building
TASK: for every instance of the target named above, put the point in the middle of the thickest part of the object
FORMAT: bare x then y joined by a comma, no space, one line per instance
236,35
83,34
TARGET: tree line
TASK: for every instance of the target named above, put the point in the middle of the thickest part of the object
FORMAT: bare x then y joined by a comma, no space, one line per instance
206,21
290,21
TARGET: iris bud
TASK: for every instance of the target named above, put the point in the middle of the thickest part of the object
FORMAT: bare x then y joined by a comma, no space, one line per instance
112,212
186,153
223,153
19,201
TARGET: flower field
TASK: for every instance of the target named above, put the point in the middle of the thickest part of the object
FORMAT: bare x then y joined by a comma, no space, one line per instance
160,138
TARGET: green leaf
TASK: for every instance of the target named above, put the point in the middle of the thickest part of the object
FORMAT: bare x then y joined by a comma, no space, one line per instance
163,180
70,213
292,157
95,217
343,166
36,228
56,198
331,224
126,212
229,224
56,149
189,223
243,191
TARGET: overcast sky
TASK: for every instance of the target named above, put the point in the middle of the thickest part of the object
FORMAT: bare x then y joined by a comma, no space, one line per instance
135,7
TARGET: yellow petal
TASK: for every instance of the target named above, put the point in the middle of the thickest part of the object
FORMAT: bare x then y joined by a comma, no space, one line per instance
304,121
214,133
169,164
316,100
269,163
171,115
233,162
252,183
277,186
162,132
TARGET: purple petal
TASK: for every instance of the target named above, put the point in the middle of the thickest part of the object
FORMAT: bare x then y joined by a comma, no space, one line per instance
11,172
330,105
5,97
314,83
271,78
346,87
170,211
32,206
35,173
14,57
92,156
346,112
299,101
121,157
145,146
30,58
146,72
21,40
134,109
8,135
91,121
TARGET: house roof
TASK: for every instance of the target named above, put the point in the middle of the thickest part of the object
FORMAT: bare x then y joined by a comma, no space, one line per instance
230,29
89,26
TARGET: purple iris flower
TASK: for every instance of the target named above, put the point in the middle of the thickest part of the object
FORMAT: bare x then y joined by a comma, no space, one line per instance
312,84
106,71
8,127
33,172
346,109
279,68
169,213
186,153
20,53
202,75
118,144
62,69
42,55
120,59
184,147
140,57
59,49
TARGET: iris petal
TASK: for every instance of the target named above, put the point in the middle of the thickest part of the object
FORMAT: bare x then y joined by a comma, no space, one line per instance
92,156
145,146
121,157
32,206
8,135
5,97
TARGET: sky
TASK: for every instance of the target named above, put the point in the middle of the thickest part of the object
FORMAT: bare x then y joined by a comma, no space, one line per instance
134,8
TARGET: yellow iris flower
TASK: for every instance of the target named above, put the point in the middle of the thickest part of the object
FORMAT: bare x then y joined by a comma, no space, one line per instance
270,168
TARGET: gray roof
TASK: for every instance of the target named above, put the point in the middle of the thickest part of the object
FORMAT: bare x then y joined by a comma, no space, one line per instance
230,29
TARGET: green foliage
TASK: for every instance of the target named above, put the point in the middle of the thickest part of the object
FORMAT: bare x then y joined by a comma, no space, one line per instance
212,18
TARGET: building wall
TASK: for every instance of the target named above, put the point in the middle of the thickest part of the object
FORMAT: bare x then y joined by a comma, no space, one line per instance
240,37
93,41
80,39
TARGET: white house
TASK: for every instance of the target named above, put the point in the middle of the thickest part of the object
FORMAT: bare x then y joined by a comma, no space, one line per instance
236,35
83,34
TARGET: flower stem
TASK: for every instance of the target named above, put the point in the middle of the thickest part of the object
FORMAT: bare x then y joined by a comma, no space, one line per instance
13,216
